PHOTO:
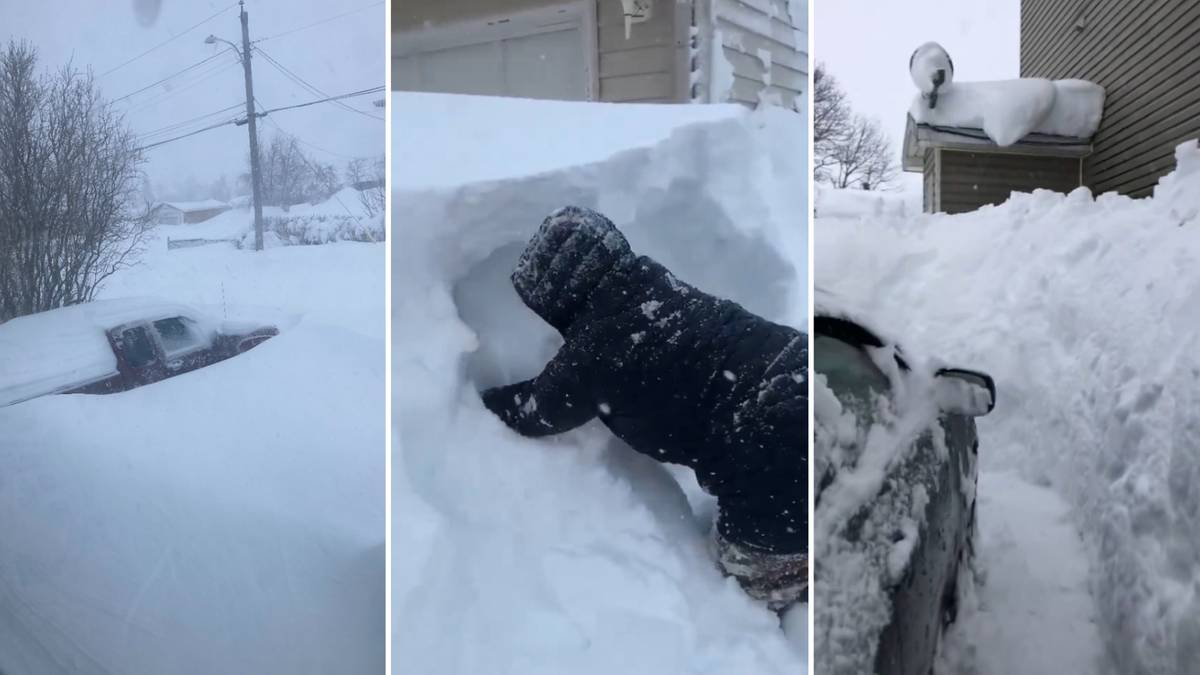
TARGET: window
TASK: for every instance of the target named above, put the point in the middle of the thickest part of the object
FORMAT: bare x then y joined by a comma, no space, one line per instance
177,335
850,372
135,344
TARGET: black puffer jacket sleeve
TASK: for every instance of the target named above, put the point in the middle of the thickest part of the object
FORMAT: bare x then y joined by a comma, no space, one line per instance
555,401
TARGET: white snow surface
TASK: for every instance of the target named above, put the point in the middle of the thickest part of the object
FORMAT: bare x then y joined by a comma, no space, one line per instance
438,137
572,554
239,221
1028,610
1085,311
228,520
1009,110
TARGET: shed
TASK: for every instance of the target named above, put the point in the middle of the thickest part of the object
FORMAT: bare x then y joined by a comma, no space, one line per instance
668,50
964,169
181,213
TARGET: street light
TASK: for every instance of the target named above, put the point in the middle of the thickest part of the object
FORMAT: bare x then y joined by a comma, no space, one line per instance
213,39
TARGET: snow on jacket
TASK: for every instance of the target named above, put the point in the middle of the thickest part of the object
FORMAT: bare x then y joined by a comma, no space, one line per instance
679,375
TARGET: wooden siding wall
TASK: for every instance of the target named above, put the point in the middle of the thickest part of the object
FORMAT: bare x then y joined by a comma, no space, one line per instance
930,180
1146,54
646,67
749,28
969,180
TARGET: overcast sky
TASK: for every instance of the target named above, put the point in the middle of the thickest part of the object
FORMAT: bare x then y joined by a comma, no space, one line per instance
866,44
337,56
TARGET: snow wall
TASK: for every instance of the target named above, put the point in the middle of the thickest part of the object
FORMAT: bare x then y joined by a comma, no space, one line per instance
1087,312
571,554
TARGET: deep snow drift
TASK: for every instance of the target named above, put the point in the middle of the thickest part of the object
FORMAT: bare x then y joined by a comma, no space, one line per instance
226,520
571,554
1085,311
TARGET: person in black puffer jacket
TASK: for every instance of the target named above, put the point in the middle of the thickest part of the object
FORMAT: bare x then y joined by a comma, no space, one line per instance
680,376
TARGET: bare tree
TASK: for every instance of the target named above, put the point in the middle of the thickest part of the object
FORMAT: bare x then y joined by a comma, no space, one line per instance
289,176
71,206
862,157
367,176
849,150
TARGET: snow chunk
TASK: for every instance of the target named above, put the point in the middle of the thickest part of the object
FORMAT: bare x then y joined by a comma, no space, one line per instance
604,408
729,375
650,307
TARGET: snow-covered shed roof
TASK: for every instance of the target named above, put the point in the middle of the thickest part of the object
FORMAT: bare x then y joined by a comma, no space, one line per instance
63,348
189,207
1030,115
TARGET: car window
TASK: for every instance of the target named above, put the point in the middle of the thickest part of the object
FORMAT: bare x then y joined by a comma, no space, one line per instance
850,372
136,346
177,335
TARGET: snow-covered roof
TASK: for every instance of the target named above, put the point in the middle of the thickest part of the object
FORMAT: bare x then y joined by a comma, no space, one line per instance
67,347
1009,110
188,207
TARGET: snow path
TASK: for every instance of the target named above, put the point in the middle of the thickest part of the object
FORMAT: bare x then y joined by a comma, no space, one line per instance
1031,612
1084,309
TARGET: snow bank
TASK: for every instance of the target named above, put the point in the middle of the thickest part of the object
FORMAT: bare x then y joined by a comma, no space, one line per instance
472,139
572,554
1085,311
1006,110
342,217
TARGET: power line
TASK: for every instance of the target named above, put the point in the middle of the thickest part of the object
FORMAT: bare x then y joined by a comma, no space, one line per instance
313,89
318,23
304,142
221,68
191,133
171,76
177,125
363,92
168,41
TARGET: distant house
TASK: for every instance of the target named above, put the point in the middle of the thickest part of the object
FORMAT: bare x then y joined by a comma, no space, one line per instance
1146,57
744,51
181,213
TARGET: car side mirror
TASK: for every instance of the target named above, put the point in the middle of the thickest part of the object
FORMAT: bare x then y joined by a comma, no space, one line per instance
965,392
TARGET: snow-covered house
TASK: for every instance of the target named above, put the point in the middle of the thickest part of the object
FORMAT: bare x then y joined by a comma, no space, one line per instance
1146,55
978,142
181,213
604,50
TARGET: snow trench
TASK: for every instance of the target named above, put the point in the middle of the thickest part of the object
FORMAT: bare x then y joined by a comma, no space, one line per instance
1085,310
574,553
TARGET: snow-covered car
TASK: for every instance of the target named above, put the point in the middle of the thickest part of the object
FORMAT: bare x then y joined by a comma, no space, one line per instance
109,346
896,469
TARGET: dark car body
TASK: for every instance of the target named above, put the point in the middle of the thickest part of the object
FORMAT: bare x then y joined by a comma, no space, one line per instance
148,351
923,595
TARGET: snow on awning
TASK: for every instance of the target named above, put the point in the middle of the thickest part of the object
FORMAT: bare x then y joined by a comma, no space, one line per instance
1007,112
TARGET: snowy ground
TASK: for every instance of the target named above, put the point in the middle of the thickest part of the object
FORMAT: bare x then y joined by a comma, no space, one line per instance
572,554
225,520
1085,311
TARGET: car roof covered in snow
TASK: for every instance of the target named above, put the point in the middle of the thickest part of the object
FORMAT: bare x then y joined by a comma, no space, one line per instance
63,348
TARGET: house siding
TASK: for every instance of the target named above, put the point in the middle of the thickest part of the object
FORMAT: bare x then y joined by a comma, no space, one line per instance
929,179
648,66
966,181
1147,57
748,30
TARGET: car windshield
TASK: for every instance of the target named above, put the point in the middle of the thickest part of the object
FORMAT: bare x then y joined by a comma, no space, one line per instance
137,347
177,335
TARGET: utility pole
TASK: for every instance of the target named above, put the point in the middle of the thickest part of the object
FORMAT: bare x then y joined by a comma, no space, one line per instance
255,175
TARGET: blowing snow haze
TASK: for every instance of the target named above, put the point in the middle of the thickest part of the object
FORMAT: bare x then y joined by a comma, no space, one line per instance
150,58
